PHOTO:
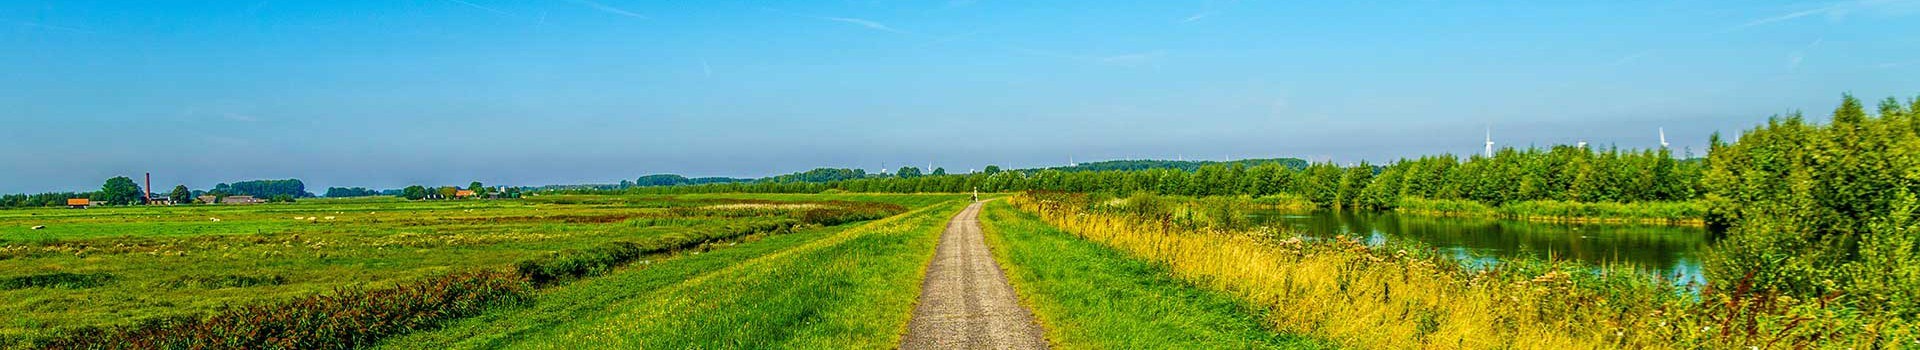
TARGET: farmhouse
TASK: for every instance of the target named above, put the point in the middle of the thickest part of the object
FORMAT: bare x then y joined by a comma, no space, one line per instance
210,199
463,194
78,203
242,200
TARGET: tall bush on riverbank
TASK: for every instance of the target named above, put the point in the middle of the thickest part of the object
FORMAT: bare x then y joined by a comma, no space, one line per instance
1395,296
1823,211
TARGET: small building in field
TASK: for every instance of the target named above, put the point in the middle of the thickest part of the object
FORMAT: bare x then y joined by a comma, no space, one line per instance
463,194
79,203
160,201
242,200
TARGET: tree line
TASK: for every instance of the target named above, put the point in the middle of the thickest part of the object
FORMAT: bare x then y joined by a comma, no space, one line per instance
263,189
1564,173
121,190
419,192
340,192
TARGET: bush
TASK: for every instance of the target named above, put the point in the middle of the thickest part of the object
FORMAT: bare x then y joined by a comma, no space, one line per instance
56,280
347,319
1817,210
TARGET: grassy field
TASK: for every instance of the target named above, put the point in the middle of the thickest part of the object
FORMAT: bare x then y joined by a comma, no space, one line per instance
1092,297
842,287
122,267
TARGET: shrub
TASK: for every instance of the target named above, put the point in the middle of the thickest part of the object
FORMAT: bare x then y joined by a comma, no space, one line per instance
56,280
346,319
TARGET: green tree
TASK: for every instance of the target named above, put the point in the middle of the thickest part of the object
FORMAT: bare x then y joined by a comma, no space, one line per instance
992,169
908,172
415,192
119,190
180,194
1815,210
447,192
281,198
939,171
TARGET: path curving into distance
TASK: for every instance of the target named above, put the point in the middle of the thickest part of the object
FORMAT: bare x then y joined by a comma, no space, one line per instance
965,301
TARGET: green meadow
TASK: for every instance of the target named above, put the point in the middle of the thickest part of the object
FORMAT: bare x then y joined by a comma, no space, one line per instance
134,273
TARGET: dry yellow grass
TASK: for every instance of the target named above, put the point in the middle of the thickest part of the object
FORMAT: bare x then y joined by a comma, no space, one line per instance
1370,297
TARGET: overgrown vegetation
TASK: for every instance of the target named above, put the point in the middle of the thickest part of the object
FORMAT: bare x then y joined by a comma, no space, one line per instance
1091,297
345,319
1399,296
1823,212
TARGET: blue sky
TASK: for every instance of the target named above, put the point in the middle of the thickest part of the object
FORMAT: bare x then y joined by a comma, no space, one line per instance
389,93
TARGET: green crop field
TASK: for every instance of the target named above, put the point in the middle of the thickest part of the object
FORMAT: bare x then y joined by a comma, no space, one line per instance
144,273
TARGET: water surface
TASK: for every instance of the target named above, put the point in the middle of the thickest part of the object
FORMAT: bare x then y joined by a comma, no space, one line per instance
1671,251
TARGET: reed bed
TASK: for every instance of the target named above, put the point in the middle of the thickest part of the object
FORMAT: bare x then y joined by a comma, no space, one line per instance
1692,213
1395,296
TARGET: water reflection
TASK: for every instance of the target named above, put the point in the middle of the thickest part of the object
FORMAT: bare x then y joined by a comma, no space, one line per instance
1670,251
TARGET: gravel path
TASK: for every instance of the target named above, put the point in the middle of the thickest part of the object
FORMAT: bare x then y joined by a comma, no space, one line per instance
965,302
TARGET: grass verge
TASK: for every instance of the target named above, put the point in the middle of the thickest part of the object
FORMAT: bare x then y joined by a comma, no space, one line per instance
1091,297
836,287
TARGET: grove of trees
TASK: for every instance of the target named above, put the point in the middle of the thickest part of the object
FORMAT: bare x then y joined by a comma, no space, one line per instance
1822,211
265,188
338,192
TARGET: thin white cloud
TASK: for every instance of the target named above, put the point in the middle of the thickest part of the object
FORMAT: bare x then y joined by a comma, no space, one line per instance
1209,10
609,9
1196,17
865,23
482,8
1836,11
1794,59
706,69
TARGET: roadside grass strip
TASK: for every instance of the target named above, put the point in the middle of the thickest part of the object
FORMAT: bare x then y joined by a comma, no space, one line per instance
1092,297
841,287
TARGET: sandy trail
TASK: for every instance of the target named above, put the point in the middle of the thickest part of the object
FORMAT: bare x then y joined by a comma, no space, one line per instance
965,302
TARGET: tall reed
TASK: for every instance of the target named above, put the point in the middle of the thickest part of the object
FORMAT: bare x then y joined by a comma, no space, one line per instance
1395,297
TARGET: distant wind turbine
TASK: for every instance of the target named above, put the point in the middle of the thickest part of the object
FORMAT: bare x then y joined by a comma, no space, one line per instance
1663,137
1489,141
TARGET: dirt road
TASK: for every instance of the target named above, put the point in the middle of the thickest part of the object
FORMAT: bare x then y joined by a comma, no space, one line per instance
965,302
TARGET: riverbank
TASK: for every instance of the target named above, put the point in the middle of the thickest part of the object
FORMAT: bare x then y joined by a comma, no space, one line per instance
1394,296
1690,214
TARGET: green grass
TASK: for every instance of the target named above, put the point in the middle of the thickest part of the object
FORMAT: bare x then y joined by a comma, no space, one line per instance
123,266
840,287
1690,213
1091,297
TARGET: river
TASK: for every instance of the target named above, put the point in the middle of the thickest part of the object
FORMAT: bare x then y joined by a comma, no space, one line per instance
1670,251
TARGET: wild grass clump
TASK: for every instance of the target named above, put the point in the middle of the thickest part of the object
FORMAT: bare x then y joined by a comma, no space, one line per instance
346,319
224,281
1394,296
57,280
1691,213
